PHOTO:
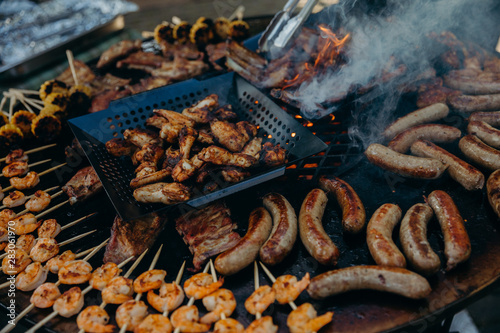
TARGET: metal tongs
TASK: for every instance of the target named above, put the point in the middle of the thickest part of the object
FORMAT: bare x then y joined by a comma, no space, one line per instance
283,27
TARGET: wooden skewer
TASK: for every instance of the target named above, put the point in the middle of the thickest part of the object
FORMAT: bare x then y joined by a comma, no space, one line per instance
74,239
238,13
31,195
34,150
2,103
34,164
23,101
93,251
258,315
40,174
11,106
26,91
139,295
69,54
214,277
42,214
273,279
34,104
177,281
176,20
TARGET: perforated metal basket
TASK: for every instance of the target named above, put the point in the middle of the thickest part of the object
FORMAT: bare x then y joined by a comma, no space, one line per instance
275,125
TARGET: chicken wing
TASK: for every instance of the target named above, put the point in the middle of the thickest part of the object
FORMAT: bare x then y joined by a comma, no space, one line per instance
140,137
156,121
150,152
172,157
187,137
253,148
220,156
234,175
166,193
273,155
175,117
185,169
150,178
201,112
119,147
226,112
228,135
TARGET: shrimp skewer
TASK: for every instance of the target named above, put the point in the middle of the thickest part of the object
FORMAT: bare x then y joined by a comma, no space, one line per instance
40,200
28,197
30,179
31,151
19,168
8,328
25,223
221,303
132,313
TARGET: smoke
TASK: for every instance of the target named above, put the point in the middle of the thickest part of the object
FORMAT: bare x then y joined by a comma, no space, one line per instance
398,30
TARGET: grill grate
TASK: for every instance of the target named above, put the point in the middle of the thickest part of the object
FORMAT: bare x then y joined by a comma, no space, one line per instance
274,124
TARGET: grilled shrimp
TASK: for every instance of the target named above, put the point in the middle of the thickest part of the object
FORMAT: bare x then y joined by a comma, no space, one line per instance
38,202
32,277
55,264
13,266
14,199
94,319
75,272
15,169
4,234
3,245
131,313
228,325
6,215
26,242
169,298
304,319
262,325
45,295
102,275
149,280
260,300
70,303
44,249
186,319
287,288
29,181
49,229
154,323
201,285
25,224
219,302
118,290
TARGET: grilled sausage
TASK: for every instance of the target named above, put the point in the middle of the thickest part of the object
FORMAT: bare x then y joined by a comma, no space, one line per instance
311,231
421,116
404,165
353,210
493,189
469,103
485,132
284,232
479,152
492,118
390,279
461,171
379,236
432,132
457,247
473,82
247,249
413,237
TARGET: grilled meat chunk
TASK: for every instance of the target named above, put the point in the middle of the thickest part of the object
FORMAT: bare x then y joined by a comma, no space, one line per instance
120,147
273,155
229,135
82,185
166,193
220,156
153,177
201,112
140,137
187,137
83,72
185,169
141,60
119,50
150,152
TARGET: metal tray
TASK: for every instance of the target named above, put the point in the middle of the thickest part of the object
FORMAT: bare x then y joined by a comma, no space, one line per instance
275,125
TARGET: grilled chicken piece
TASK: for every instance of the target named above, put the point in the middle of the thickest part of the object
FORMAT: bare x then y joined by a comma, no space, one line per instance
156,121
229,135
119,50
253,148
84,184
206,170
172,157
150,152
273,155
187,136
166,193
205,137
180,69
150,178
201,112
220,156
226,112
120,147
247,129
170,132
83,72
234,175
140,137
145,168
142,61
185,169
175,117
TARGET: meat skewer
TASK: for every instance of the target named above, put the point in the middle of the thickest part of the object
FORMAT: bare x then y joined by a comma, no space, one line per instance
137,297
19,168
34,150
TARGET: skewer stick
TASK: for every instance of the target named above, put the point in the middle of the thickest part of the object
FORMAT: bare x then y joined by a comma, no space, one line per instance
74,239
273,279
238,13
2,103
23,101
40,174
76,221
139,295
26,91
258,315
33,164
34,104
11,106
176,20
50,210
214,277
34,150
177,281
69,54
31,195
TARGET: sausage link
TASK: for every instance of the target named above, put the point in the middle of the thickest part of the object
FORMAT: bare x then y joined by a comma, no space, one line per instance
353,210
492,118
284,232
473,82
247,249
379,236
461,171
311,231
404,165
469,103
421,116
493,189
432,132
413,237
485,132
390,279
479,152
457,247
